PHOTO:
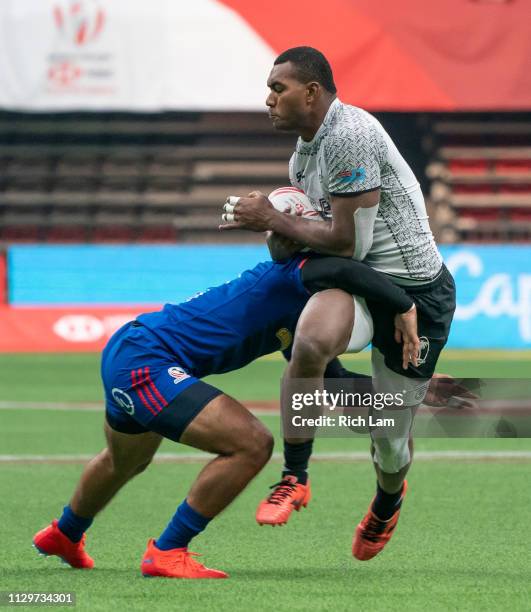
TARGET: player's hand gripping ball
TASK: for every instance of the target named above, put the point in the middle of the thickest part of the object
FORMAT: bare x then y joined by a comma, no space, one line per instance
288,200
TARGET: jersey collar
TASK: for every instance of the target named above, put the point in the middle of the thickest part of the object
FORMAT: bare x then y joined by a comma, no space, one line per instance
307,145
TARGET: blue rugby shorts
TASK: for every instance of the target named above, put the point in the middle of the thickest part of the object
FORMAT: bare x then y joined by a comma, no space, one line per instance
146,389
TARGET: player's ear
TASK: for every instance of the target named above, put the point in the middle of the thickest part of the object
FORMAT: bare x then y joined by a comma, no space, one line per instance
313,91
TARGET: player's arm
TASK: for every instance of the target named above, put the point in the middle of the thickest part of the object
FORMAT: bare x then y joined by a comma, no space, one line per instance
355,277
334,237
352,170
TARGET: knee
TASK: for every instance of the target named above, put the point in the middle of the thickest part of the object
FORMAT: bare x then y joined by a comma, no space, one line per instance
259,446
268,444
391,454
121,467
310,351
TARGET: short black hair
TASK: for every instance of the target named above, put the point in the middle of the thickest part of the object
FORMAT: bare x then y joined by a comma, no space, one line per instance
310,65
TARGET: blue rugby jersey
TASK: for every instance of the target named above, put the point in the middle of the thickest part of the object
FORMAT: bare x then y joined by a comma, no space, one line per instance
228,326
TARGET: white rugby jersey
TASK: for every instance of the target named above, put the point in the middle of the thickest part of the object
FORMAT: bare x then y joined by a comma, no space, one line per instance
351,153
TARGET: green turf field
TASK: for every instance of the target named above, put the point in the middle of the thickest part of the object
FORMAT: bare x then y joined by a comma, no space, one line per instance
43,376
460,544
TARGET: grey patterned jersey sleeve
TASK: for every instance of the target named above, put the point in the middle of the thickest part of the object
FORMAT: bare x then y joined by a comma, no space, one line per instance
352,155
291,166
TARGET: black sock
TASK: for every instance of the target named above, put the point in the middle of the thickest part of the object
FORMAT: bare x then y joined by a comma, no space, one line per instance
386,504
296,457
335,369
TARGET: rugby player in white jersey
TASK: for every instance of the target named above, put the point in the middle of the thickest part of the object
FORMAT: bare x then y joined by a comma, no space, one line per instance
372,209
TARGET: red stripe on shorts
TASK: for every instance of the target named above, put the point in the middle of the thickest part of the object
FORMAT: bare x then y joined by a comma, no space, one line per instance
141,395
154,388
145,387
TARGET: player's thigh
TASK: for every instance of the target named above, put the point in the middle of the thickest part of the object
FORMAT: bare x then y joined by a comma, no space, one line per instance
131,451
409,390
435,308
224,427
363,328
325,324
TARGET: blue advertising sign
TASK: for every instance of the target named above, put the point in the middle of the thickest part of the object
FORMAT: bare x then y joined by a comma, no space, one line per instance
121,274
493,282
493,296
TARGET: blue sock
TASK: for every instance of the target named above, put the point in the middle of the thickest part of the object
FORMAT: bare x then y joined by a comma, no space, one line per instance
185,524
72,525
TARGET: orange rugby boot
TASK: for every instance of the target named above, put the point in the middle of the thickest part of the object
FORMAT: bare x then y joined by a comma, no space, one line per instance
175,563
52,541
372,534
288,495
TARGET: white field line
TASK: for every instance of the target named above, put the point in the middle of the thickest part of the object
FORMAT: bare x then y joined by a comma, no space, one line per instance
485,405
449,455
70,406
94,407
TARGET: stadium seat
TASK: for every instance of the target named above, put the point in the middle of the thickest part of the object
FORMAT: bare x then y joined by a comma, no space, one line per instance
481,170
166,175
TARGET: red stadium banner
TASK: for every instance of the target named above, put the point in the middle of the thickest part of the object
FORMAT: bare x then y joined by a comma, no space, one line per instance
410,55
46,330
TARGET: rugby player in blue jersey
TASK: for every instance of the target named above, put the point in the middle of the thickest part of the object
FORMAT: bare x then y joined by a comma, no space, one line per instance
151,370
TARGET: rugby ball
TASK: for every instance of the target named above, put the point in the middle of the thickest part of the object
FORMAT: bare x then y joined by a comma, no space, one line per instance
293,201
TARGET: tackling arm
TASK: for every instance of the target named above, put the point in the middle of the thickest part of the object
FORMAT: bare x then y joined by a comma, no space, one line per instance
320,273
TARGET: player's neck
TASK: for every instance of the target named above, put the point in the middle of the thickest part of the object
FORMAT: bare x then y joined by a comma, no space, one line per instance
315,119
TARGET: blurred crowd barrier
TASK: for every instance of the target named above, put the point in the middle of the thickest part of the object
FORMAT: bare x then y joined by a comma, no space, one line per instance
72,298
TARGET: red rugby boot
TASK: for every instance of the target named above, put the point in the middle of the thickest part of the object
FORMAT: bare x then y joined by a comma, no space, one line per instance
288,495
372,534
175,563
52,541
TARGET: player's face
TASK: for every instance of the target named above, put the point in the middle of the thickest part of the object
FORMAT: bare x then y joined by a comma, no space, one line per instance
287,99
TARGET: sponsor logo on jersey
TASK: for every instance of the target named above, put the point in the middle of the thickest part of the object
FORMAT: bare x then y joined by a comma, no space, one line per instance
424,349
178,374
124,400
352,176
325,206
285,337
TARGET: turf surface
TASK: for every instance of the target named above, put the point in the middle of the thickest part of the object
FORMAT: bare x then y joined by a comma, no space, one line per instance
460,543
75,377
